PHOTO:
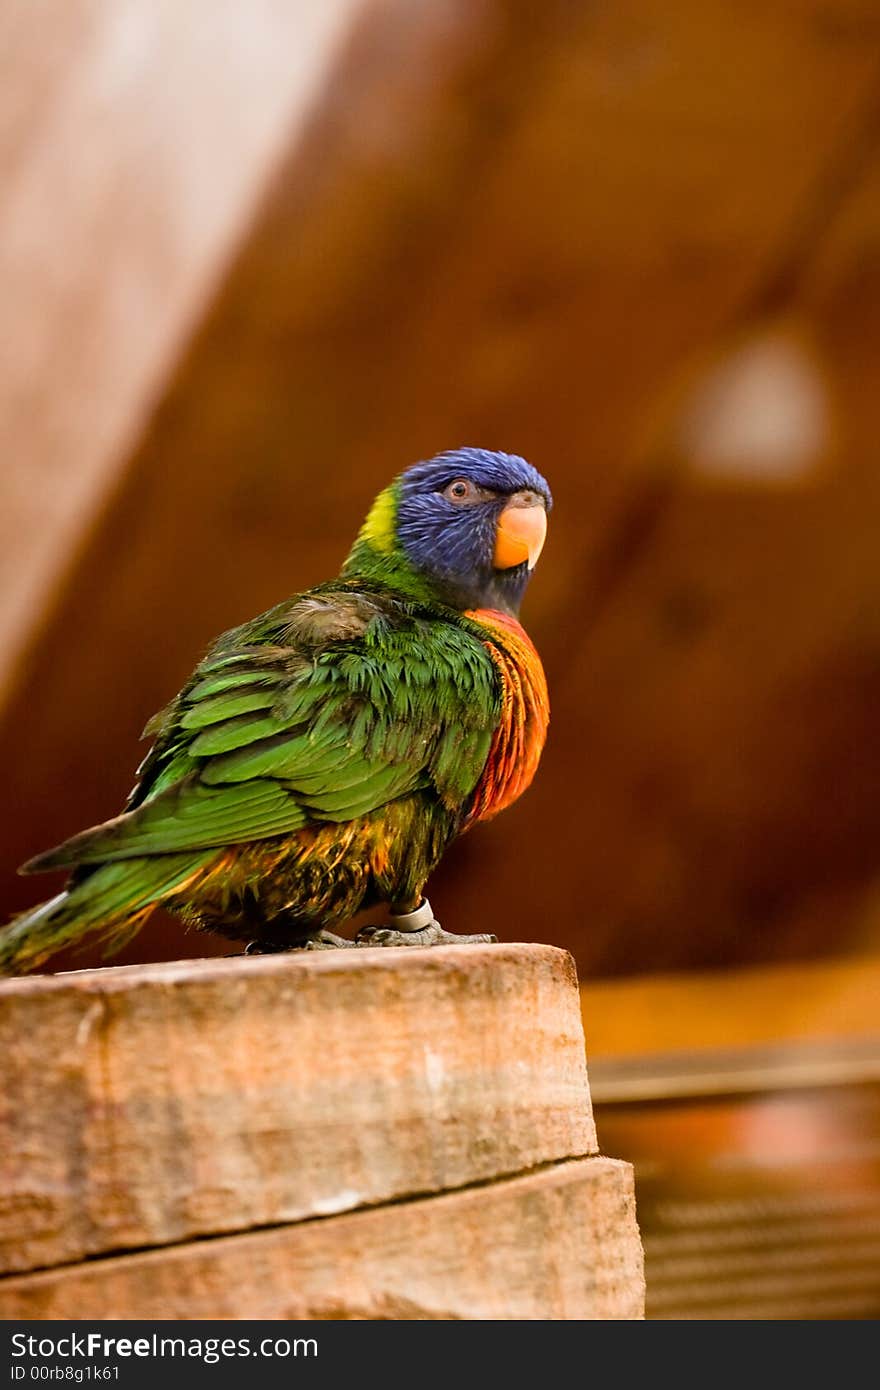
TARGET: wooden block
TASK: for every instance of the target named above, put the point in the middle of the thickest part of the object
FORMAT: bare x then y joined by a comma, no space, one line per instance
147,1104
561,1243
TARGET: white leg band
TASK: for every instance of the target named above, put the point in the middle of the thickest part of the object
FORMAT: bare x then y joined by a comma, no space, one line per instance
421,916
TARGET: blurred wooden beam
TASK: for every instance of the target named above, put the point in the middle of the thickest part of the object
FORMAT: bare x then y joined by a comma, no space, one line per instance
136,137
759,1007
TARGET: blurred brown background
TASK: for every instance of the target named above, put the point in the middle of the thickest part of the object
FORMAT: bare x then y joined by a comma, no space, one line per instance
256,259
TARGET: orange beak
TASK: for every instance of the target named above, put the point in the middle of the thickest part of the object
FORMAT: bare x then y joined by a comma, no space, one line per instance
522,529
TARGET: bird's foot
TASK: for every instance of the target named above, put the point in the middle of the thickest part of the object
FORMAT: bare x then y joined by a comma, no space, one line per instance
326,941
318,941
418,928
434,935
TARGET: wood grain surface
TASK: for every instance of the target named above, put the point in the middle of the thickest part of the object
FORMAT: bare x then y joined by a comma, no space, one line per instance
146,1105
561,1243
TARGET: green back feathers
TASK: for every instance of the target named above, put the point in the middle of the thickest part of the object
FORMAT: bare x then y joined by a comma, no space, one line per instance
322,710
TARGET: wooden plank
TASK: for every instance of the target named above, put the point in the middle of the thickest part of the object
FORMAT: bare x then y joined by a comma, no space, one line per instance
144,1105
646,1015
135,140
561,1243
749,1103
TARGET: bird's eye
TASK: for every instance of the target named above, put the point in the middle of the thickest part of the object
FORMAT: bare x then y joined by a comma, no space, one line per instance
460,490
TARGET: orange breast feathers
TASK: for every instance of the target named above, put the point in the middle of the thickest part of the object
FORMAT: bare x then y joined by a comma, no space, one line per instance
525,712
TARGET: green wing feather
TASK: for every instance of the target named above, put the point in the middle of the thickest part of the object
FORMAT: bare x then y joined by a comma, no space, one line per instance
278,729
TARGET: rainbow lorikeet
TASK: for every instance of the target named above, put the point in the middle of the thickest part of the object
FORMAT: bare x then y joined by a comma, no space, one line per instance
321,757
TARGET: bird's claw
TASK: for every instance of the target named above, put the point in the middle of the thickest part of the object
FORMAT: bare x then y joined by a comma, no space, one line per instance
320,941
432,935
326,941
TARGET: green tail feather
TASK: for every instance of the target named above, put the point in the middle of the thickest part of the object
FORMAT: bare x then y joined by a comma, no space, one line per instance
108,902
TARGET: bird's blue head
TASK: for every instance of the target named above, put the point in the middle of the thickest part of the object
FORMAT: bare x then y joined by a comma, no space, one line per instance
464,528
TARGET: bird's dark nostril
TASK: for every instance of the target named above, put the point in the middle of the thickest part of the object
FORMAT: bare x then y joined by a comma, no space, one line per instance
526,498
